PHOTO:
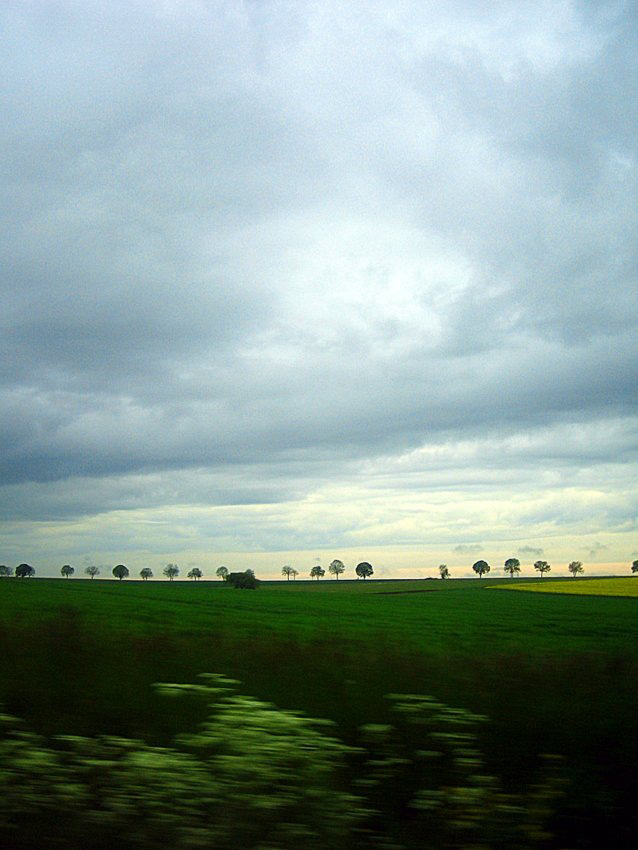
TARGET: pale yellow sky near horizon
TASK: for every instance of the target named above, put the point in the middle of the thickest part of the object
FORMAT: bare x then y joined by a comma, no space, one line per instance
388,562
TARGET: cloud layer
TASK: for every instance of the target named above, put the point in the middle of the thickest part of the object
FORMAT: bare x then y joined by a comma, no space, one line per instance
262,258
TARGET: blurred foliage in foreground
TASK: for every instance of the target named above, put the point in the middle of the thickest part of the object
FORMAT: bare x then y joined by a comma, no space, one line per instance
255,776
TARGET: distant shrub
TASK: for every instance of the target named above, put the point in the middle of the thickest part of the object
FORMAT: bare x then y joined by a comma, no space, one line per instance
243,581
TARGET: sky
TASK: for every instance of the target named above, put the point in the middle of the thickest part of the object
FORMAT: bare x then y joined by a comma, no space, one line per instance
284,282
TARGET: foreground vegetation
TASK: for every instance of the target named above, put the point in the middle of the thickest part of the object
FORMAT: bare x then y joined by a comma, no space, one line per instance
555,674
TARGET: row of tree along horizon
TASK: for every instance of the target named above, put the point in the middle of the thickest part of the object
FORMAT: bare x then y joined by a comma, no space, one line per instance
336,568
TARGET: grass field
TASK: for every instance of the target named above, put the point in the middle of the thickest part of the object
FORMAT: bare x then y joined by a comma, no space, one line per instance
556,672
436,616
584,587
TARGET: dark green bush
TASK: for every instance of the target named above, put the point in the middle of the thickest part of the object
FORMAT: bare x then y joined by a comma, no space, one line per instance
243,581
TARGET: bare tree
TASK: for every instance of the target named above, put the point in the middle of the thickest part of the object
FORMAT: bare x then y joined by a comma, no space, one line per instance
287,571
195,573
92,571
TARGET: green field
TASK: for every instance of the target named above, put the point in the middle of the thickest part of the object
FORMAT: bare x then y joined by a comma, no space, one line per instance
435,616
555,672
585,587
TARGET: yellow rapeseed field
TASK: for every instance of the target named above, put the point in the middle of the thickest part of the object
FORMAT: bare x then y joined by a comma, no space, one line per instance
590,587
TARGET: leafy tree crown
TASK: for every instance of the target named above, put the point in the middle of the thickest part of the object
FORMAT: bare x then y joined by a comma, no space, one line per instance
336,568
481,567
120,571
170,571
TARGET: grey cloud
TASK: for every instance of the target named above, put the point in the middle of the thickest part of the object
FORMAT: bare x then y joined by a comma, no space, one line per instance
596,549
468,548
209,213
534,551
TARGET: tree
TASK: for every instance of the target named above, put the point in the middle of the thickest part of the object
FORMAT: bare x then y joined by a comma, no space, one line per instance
336,568
243,581
170,571
24,571
222,573
195,573
363,570
7,571
512,565
146,573
319,572
542,567
120,571
92,571
443,571
634,567
481,567
575,568
287,571
67,570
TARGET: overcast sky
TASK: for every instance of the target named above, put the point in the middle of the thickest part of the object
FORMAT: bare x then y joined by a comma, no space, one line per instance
288,281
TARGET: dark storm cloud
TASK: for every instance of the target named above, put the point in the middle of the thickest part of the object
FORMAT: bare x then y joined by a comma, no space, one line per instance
252,246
